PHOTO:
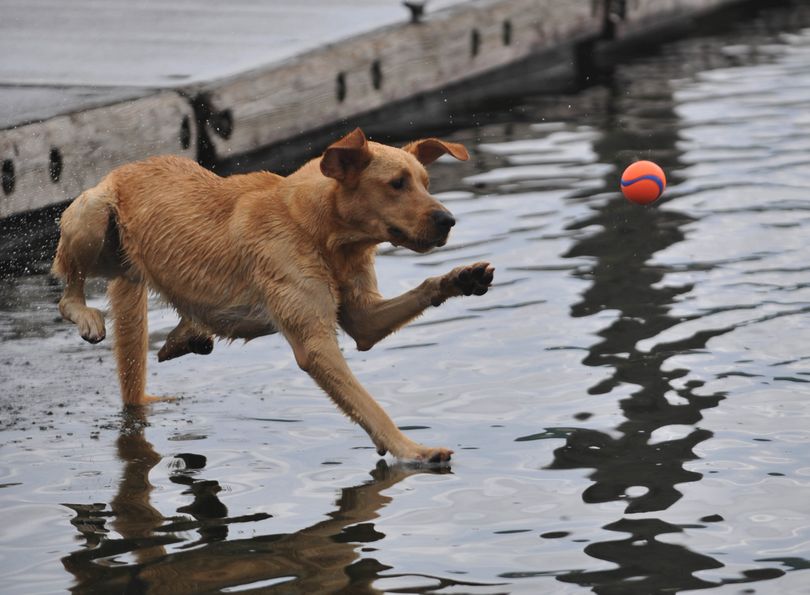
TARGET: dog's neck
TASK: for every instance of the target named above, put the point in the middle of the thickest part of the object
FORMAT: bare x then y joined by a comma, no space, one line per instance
313,204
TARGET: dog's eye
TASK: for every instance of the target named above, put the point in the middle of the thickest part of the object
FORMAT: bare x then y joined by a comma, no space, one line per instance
398,183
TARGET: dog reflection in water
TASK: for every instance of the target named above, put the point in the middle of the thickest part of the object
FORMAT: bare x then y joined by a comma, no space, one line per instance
147,553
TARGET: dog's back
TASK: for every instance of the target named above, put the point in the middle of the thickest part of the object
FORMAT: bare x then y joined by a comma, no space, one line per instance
126,197
175,220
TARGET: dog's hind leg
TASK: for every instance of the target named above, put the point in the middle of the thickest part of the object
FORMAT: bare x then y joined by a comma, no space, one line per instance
186,338
128,309
83,232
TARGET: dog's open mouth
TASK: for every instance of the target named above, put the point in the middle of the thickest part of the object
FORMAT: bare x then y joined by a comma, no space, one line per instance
400,238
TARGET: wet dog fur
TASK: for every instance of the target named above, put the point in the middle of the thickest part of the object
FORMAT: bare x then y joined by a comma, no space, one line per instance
253,254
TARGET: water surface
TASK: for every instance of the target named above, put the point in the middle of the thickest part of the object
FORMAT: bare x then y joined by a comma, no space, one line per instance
628,405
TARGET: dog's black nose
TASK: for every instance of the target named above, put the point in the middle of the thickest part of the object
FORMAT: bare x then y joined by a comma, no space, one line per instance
443,219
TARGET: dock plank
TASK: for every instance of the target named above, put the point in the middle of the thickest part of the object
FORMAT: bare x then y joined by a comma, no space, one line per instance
102,82
54,160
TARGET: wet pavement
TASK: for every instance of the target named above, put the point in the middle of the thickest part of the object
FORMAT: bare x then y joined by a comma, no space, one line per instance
628,405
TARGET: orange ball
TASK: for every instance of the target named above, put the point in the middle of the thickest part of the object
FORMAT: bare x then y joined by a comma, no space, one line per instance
643,182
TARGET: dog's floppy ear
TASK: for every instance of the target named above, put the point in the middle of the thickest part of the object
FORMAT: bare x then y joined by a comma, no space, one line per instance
347,157
430,149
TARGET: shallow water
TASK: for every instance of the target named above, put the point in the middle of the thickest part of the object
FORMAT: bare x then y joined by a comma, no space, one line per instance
628,405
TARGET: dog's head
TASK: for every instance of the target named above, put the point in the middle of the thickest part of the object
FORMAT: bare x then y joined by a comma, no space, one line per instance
383,191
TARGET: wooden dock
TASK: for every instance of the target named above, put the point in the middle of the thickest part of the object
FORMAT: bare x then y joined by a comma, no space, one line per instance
86,86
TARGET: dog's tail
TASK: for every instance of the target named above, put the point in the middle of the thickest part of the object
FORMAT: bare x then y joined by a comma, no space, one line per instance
59,266
128,309
83,227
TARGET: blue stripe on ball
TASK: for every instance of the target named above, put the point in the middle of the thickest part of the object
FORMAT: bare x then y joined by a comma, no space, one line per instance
650,177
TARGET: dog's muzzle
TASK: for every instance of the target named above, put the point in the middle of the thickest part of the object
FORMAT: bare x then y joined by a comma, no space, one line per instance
443,221
440,220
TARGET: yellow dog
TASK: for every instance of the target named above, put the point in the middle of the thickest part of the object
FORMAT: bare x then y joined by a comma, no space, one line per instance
254,254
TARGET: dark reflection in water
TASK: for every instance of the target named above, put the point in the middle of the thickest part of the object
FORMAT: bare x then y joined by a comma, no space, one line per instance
132,516
322,558
631,465
646,565
624,282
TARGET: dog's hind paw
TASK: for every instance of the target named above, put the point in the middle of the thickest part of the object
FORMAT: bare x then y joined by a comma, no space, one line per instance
199,344
91,325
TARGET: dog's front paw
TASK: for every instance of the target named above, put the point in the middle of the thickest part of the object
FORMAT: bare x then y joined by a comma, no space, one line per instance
473,279
427,454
